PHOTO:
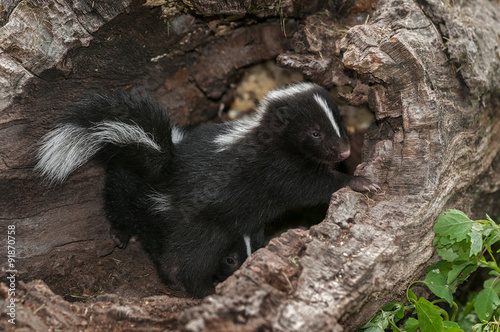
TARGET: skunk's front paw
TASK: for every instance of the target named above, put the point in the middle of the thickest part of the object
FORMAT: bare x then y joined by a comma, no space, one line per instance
360,183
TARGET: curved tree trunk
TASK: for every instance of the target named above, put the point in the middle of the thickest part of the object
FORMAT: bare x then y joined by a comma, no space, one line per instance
427,69
429,72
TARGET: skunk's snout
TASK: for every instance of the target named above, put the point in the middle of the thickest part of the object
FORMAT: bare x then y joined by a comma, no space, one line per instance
345,154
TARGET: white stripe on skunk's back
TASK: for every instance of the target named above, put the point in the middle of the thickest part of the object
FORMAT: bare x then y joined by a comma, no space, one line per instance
328,112
237,130
289,91
178,134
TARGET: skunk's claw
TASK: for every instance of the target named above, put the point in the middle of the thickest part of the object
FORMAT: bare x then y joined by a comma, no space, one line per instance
360,183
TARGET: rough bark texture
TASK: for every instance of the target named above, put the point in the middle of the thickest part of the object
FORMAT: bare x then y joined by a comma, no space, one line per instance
435,146
428,71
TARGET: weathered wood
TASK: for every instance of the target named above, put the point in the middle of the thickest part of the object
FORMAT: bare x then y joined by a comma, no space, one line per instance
262,8
425,151
427,70
125,314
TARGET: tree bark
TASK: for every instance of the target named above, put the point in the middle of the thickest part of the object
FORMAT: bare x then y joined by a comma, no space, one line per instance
427,69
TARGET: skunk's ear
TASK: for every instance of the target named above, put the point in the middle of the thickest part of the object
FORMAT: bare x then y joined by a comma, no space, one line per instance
276,121
279,119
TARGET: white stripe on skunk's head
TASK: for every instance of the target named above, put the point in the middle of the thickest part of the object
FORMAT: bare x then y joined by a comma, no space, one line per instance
328,112
304,118
317,128
248,244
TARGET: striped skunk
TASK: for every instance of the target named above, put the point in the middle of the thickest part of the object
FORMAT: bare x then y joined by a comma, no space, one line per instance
198,199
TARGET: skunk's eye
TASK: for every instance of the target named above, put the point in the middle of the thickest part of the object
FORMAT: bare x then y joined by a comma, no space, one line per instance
230,261
315,134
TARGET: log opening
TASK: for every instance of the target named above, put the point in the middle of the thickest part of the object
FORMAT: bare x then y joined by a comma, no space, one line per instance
427,71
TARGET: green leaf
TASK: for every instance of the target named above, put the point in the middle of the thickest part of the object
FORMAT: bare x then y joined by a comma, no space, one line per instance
448,254
488,229
453,224
476,239
492,283
411,325
459,251
485,303
494,273
428,316
411,295
478,327
437,284
444,241
489,264
373,328
378,323
391,306
443,266
492,239
466,317
400,313
456,270
451,326
464,275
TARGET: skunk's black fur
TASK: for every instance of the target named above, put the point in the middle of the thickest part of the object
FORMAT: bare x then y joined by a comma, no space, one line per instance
198,200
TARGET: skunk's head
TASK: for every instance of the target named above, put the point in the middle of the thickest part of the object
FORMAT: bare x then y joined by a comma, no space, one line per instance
305,118
228,265
231,261
300,118
241,249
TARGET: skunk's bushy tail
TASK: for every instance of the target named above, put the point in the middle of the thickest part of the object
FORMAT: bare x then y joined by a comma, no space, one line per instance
108,126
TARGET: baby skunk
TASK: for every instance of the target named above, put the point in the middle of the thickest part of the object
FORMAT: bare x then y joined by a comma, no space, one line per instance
240,251
195,198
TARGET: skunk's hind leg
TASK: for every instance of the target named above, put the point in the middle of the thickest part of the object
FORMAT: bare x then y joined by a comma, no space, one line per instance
124,205
120,219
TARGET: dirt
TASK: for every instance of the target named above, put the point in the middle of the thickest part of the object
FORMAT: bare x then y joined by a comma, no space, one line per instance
118,292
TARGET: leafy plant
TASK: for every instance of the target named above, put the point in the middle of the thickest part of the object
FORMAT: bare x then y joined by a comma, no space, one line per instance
464,246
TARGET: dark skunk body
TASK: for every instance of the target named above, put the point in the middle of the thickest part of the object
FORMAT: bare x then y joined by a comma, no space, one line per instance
198,200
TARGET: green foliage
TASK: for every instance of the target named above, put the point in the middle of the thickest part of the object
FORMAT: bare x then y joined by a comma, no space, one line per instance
464,246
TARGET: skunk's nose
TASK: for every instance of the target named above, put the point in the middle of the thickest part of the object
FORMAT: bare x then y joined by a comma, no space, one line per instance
345,154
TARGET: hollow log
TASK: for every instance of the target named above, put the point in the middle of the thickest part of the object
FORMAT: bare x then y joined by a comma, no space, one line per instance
426,68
